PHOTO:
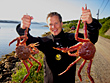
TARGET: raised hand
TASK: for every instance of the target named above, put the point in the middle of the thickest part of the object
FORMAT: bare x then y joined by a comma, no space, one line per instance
26,21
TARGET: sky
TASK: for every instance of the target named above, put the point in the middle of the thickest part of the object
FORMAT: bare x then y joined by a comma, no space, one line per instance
69,9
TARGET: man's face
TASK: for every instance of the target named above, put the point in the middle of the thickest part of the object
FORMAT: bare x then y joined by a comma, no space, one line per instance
55,25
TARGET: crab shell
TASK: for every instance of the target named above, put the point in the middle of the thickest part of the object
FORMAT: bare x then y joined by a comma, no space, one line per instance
23,52
87,50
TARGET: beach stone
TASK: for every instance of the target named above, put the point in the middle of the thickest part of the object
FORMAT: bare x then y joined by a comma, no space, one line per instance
2,67
9,65
13,59
8,79
6,74
0,76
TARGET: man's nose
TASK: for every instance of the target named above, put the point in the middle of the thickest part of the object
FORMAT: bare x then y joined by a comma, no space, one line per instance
53,26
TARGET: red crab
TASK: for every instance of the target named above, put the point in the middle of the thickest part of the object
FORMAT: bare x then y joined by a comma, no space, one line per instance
85,49
24,52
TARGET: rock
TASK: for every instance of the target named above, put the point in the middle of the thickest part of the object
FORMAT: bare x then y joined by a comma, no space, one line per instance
7,66
8,79
7,55
6,74
13,59
0,76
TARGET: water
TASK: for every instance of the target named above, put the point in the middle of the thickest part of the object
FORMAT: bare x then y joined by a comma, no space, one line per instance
8,33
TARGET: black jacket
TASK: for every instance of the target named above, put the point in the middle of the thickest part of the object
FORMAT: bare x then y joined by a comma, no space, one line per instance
54,66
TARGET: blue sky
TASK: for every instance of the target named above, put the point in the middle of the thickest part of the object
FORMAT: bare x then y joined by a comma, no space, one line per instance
69,9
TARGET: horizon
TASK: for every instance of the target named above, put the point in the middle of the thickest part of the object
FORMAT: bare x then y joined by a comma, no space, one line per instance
45,22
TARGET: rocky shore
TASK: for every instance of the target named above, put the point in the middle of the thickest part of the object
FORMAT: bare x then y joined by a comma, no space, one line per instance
7,67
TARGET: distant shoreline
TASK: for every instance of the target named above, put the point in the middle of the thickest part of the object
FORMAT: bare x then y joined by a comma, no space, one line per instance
11,21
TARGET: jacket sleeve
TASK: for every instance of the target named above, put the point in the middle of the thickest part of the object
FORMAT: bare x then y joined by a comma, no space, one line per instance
93,30
19,30
31,39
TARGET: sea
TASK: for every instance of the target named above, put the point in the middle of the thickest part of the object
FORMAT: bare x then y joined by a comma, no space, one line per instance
8,33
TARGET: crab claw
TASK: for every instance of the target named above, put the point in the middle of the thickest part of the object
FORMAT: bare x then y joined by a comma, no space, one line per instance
34,44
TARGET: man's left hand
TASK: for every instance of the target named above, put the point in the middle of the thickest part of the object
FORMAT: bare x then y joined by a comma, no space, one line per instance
86,15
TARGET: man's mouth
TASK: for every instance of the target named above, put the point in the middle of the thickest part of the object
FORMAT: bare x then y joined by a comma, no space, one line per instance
55,30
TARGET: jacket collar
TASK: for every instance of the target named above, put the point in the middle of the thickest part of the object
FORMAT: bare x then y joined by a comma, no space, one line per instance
60,35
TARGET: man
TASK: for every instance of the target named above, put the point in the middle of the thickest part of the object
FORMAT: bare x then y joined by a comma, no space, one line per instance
56,61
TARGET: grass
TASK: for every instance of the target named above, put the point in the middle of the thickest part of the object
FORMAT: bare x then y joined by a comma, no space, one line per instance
105,27
105,36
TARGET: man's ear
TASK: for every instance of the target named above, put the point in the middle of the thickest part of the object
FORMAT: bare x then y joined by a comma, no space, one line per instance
62,23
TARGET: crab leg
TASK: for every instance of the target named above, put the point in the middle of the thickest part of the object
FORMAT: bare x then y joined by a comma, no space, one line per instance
36,51
77,31
85,31
24,36
25,39
30,63
73,48
34,48
14,41
88,71
70,66
28,70
62,49
76,34
37,62
26,31
85,26
18,40
82,65
34,44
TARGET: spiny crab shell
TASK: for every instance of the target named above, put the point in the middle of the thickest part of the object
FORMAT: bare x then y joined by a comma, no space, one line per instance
87,50
23,52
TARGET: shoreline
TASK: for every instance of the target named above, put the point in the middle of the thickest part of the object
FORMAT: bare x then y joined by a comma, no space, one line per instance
8,66
3,57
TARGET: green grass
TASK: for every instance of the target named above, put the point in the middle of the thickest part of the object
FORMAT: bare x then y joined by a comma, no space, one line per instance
105,36
105,27
33,77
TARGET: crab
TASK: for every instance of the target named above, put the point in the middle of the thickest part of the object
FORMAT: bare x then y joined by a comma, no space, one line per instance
85,49
24,52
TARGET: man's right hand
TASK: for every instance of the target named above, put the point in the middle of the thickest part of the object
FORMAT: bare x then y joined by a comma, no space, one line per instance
26,21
